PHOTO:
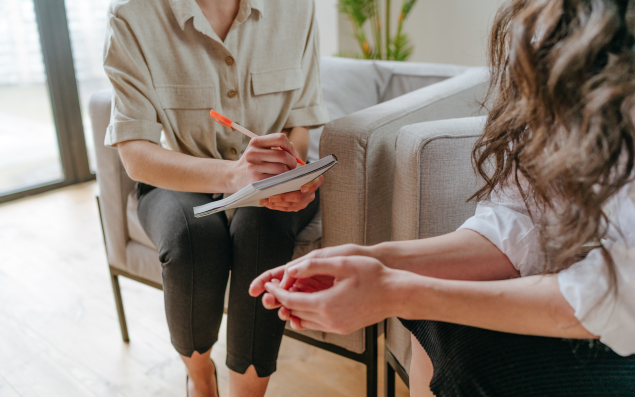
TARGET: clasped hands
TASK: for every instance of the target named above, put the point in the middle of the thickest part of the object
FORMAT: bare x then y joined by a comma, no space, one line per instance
336,289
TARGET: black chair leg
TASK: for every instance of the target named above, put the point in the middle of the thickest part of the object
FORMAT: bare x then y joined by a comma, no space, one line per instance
122,316
371,361
389,376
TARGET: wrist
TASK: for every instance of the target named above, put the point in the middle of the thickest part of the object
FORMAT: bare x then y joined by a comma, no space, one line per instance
383,252
231,177
410,296
397,300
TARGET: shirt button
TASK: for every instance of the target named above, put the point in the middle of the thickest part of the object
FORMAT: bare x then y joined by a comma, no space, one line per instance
234,152
232,94
229,61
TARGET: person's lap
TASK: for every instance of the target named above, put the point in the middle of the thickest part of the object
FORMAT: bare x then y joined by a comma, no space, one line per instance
197,255
471,361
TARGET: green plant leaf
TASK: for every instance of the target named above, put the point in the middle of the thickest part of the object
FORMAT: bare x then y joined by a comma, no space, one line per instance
406,7
399,47
358,10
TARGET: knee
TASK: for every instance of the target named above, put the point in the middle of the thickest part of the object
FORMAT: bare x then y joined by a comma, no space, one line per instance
254,222
175,246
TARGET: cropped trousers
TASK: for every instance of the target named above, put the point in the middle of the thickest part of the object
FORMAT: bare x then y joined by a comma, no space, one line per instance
197,256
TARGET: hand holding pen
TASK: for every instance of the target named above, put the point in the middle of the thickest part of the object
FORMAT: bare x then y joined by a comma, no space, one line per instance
260,162
222,120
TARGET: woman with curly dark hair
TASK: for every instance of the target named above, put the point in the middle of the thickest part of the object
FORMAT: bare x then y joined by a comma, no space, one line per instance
535,294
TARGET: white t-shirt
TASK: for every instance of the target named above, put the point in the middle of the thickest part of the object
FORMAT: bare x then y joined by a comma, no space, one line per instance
505,221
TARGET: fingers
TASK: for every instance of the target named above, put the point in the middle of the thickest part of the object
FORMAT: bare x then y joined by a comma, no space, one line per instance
291,300
300,324
270,161
335,267
257,286
313,185
270,302
300,320
288,206
275,140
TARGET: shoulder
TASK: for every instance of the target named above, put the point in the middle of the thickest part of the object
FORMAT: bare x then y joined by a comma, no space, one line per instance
129,9
296,10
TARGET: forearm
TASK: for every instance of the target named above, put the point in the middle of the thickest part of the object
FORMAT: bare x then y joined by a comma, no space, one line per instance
299,136
150,163
529,305
461,255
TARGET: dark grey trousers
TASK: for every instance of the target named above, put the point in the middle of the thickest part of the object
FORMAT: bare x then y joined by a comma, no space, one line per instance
197,255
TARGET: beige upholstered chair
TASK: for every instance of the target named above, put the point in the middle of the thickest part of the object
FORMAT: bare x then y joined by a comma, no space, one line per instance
371,101
433,180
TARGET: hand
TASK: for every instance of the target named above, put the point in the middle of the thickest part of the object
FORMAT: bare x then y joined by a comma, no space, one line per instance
312,284
265,156
363,293
294,201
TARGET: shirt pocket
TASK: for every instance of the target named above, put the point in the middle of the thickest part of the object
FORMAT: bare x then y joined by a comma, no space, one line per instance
279,80
187,109
186,96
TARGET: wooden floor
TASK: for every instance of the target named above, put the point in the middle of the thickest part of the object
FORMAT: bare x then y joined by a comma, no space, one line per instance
59,334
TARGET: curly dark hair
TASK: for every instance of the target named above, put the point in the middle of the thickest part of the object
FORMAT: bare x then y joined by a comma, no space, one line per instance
561,126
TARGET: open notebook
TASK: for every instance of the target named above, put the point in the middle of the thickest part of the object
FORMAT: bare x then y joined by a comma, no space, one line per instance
250,195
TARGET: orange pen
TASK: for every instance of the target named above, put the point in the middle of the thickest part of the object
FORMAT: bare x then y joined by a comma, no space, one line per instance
222,120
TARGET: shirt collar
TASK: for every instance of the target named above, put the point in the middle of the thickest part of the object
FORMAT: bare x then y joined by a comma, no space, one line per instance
183,10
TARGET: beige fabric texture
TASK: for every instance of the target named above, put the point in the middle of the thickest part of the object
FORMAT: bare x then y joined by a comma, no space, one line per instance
114,184
168,68
433,180
398,342
358,208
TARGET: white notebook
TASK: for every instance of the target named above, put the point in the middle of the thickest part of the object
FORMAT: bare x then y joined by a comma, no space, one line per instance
251,195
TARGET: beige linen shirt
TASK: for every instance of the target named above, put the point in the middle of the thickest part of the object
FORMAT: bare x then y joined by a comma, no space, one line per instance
168,68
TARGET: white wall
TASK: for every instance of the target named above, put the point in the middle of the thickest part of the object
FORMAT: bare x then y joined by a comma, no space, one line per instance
326,11
442,31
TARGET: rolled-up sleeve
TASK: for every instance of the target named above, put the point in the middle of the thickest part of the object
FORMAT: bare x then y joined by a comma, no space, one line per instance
308,110
603,312
134,114
506,223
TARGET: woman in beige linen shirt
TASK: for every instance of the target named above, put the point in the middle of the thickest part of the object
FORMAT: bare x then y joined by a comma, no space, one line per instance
256,62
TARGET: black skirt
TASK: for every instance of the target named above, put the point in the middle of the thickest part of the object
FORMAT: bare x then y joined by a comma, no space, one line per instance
471,361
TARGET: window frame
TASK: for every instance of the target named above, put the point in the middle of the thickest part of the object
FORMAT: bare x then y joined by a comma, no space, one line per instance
64,97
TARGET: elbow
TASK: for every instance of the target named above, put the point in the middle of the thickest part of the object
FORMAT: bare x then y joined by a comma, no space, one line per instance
130,159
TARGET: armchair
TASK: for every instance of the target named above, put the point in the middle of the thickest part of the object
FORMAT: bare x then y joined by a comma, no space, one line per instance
433,180
371,100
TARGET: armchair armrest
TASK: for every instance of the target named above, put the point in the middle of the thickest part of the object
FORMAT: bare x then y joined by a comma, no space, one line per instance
114,183
434,177
358,192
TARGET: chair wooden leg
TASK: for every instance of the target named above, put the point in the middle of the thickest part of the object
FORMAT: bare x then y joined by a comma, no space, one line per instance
389,376
118,301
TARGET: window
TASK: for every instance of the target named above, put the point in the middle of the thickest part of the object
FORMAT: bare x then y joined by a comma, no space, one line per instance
42,144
